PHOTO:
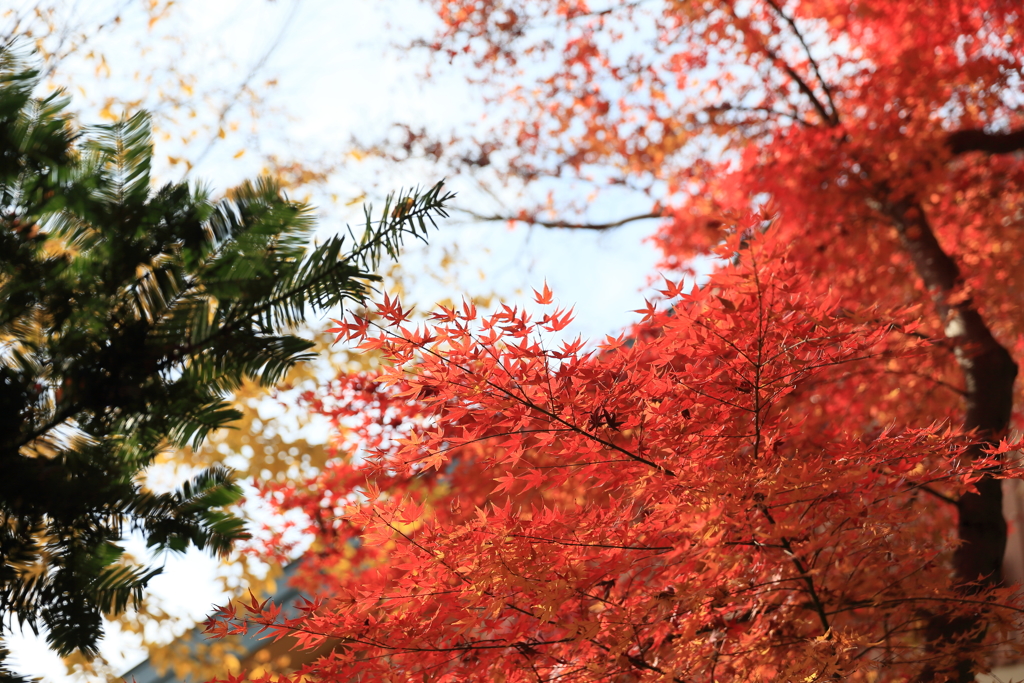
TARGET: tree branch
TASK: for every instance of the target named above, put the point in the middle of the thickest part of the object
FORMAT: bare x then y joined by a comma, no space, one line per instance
567,225
977,140
801,84
834,116
804,574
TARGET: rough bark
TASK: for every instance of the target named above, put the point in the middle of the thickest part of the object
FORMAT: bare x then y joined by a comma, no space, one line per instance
989,373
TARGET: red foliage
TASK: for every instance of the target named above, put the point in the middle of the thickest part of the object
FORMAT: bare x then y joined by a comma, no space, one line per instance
780,476
710,500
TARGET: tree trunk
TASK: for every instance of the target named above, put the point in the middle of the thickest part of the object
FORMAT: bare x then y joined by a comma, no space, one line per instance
989,372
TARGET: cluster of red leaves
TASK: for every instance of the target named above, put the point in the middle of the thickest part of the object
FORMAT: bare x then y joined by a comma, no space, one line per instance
824,104
837,110
750,485
710,498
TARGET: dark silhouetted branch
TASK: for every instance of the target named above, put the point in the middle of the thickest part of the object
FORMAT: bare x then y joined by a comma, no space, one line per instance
977,140
565,225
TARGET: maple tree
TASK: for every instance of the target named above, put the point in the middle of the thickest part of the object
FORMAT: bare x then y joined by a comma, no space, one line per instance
761,484
688,503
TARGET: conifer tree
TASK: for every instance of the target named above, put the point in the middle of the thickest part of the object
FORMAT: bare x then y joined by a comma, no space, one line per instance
127,316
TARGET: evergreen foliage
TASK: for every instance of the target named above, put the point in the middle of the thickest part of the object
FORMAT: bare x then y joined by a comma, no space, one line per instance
127,316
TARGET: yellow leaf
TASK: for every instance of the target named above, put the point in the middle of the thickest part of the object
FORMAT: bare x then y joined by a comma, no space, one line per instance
232,663
239,153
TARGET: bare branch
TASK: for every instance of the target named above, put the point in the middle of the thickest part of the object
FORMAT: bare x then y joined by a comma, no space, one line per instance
929,490
801,84
566,225
834,117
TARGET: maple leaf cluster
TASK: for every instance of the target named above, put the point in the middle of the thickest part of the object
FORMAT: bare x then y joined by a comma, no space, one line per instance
702,501
792,473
